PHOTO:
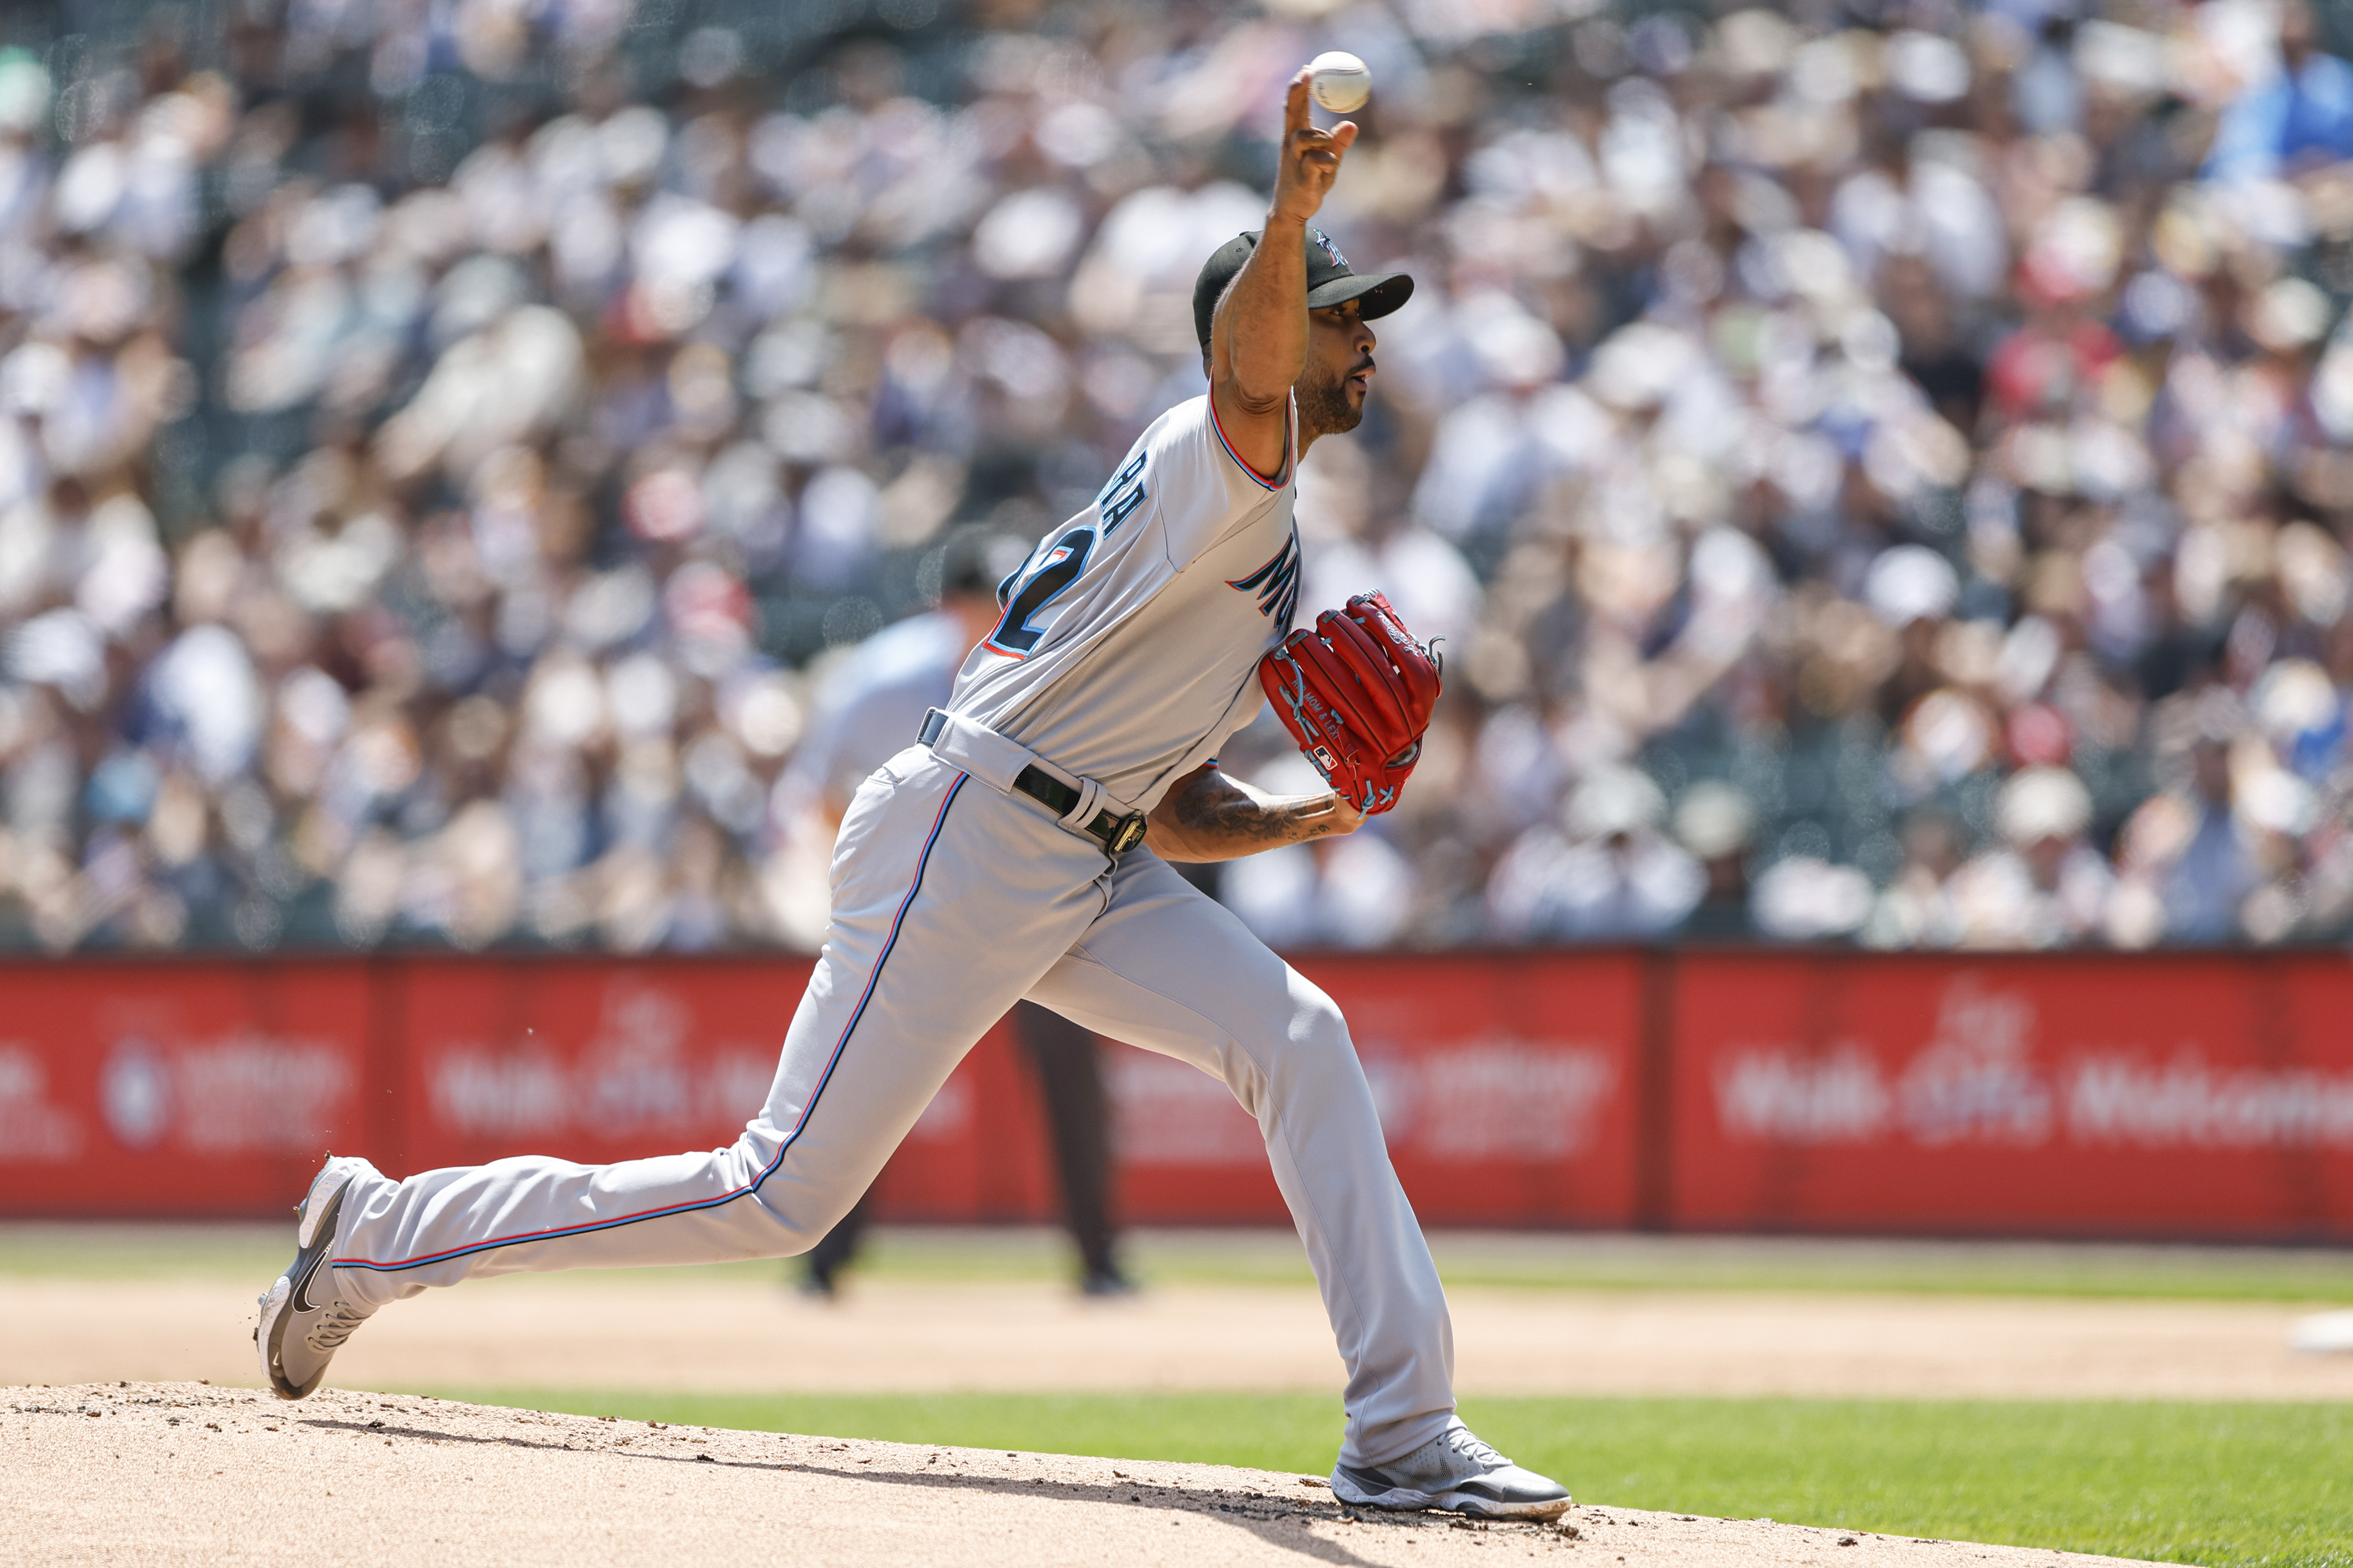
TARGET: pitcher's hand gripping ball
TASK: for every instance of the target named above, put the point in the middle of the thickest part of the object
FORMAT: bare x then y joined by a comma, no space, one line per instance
1355,692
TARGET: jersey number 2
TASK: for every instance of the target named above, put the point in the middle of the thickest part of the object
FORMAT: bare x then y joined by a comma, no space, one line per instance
1058,566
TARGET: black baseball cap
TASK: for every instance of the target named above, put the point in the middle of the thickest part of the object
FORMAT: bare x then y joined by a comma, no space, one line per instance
1329,281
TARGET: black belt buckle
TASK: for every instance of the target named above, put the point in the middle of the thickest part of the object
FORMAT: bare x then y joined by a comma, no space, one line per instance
1123,833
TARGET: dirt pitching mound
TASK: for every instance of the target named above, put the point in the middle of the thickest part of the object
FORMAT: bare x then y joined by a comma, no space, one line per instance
178,1472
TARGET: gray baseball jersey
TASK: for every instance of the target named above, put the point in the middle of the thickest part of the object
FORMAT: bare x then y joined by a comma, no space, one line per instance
1130,644
1126,654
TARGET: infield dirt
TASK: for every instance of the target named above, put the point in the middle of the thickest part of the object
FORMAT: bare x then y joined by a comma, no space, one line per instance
174,1473
698,1335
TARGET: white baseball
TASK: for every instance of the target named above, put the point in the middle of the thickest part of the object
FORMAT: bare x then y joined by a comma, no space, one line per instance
1339,81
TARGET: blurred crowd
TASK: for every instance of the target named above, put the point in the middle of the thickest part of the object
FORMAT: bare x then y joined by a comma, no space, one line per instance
1880,469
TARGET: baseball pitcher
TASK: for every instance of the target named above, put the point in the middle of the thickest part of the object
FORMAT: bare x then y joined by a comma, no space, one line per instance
1020,847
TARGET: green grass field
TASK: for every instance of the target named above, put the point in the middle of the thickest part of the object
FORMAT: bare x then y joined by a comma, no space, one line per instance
1273,1256
2263,1486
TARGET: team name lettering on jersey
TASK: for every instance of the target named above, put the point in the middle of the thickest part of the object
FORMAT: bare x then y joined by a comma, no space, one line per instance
1122,495
1276,585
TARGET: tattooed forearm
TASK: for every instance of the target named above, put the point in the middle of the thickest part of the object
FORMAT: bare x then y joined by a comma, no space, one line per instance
1232,814
1210,817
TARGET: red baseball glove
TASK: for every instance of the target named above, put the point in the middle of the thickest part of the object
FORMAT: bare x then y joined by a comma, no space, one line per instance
1355,692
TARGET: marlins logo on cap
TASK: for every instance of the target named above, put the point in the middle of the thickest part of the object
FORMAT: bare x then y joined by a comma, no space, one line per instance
1329,280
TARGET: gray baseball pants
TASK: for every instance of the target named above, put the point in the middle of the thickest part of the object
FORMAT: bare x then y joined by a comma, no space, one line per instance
951,901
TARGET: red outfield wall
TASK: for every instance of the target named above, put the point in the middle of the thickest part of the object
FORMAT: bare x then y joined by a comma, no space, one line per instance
2176,1095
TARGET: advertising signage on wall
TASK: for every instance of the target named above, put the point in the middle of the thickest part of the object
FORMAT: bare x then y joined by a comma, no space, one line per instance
175,1088
2193,1094
2207,1095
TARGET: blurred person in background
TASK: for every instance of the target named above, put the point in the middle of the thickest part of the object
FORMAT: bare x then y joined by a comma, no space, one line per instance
2295,115
1715,821
2187,852
865,709
2212,875
1607,874
2044,887
1916,910
875,692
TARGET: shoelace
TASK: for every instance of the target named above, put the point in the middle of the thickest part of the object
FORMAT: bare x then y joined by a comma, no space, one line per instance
1466,1443
334,1326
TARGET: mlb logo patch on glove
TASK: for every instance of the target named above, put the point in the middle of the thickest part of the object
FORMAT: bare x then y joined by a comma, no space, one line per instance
1355,692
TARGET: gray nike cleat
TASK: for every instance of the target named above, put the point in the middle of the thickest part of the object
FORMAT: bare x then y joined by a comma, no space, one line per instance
1455,1472
304,1320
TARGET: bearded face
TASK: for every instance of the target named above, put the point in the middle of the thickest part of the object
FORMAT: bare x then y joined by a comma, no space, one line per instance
1338,377
1331,402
